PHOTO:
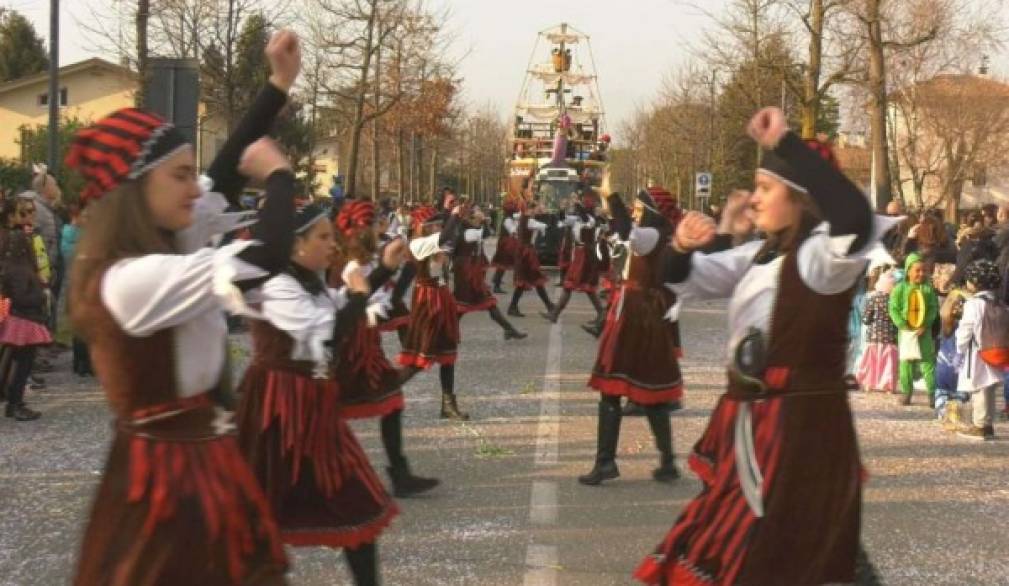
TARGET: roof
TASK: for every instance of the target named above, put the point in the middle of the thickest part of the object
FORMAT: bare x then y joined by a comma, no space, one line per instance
87,64
955,84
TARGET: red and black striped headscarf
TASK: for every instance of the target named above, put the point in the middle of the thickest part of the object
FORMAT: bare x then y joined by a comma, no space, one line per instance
665,203
355,215
122,146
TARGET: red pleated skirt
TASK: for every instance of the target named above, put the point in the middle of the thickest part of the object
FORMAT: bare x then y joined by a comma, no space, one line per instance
369,384
316,477
527,269
504,255
583,273
433,336
469,275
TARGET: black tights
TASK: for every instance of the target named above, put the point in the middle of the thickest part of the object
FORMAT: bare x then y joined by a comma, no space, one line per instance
499,319
21,362
541,291
363,563
446,373
498,277
565,297
392,437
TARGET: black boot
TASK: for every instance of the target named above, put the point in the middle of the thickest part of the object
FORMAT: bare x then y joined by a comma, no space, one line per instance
21,413
513,334
658,420
606,445
498,277
510,333
449,408
405,484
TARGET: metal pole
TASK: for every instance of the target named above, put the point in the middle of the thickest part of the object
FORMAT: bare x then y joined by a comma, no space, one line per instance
54,84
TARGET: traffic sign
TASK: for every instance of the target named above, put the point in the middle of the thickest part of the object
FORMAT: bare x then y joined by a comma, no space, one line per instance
702,184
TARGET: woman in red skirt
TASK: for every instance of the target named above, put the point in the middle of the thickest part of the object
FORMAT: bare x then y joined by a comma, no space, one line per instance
527,264
585,261
636,357
177,502
433,335
469,275
369,385
315,474
782,478
507,244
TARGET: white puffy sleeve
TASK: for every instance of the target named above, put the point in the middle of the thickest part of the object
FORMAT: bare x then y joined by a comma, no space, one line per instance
149,293
714,276
537,225
424,247
510,225
825,263
308,319
643,240
473,235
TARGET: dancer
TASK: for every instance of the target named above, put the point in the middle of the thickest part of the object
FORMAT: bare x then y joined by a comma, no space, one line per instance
433,335
507,244
469,275
150,302
585,264
779,458
315,474
636,357
527,265
369,385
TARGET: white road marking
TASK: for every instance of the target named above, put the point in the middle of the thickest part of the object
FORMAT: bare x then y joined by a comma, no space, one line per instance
542,561
543,506
542,564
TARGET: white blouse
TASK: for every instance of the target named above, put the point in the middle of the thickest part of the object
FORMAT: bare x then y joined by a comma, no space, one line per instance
824,263
188,293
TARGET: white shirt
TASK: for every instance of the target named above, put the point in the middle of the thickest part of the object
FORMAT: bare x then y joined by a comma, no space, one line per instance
307,318
975,373
187,293
824,266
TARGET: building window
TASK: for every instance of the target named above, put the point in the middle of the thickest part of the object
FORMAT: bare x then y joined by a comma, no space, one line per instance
43,99
980,178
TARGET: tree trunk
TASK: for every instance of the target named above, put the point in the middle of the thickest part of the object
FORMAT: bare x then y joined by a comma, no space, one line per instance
433,177
401,164
877,106
362,94
811,76
143,15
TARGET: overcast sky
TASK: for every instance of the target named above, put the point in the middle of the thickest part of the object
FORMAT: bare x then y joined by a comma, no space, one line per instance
636,42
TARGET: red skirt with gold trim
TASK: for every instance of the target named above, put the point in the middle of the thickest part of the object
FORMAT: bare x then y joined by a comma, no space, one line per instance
317,478
469,276
433,336
636,350
177,504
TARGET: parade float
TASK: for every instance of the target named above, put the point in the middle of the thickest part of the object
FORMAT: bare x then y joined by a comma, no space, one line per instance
558,140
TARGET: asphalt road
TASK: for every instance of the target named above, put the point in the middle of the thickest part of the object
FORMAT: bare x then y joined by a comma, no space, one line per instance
510,511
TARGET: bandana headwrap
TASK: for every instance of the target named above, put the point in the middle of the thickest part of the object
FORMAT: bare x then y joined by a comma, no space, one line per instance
122,146
653,216
423,216
773,165
307,216
510,206
355,215
665,203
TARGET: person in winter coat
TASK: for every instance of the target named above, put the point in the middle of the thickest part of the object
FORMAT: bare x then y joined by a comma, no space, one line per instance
914,306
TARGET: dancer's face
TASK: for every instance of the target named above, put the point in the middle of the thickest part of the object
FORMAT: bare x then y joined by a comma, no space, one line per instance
315,249
171,191
773,207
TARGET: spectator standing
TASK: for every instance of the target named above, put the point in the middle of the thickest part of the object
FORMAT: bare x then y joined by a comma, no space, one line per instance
977,377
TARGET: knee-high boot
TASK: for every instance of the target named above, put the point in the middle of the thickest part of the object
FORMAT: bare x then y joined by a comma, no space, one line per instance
607,436
498,277
363,562
510,333
404,483
662,429
558,307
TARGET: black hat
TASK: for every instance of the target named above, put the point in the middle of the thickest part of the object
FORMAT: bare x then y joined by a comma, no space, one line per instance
307,216
780,169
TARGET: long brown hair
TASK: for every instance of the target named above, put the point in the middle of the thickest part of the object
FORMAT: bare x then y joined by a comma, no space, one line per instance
120,225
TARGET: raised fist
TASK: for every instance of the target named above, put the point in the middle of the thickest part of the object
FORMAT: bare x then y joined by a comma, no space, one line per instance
694,231
737,218
767,127
356,282
261,159
394,254
284,54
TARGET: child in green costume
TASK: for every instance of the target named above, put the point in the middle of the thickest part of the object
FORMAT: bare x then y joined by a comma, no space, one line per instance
914,307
